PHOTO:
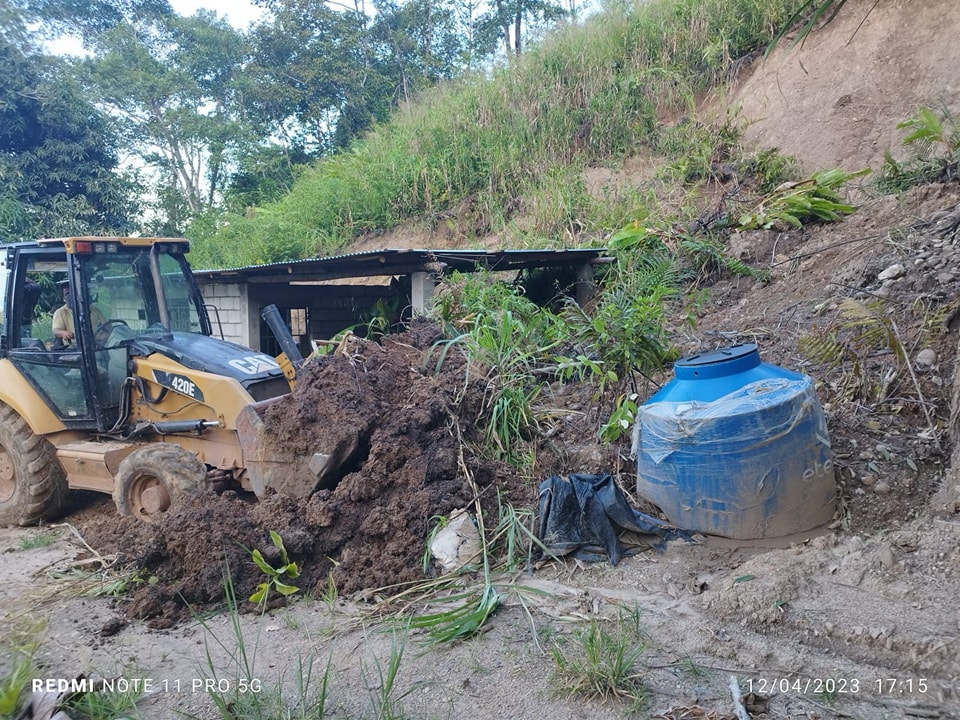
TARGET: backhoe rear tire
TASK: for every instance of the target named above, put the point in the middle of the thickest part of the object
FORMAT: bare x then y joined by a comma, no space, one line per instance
33,486
156,479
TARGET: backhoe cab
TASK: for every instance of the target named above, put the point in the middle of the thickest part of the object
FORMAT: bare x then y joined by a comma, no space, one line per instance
137,399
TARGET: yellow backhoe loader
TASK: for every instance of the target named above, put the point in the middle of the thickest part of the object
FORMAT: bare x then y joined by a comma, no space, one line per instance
123,389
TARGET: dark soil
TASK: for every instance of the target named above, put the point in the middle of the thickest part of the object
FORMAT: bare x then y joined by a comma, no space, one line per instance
412,428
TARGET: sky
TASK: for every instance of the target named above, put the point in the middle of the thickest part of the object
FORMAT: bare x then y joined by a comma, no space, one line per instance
239,13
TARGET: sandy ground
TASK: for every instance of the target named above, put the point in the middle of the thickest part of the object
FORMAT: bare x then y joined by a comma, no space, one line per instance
874,618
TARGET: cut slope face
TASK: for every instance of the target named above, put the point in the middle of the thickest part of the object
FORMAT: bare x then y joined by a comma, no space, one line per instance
835,100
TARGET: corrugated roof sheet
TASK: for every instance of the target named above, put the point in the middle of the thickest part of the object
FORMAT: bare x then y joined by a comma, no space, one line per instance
402,262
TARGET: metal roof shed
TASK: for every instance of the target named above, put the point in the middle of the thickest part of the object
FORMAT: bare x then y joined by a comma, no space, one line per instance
318,299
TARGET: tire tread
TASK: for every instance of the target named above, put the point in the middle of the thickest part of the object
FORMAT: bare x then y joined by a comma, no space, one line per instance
41,486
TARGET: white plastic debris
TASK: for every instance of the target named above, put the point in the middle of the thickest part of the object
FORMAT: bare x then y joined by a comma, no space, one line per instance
457,544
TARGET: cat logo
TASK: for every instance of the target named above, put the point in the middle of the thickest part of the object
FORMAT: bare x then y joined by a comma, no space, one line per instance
178,383
254,364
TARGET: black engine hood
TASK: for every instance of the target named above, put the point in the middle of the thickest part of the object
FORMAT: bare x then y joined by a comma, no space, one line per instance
207,354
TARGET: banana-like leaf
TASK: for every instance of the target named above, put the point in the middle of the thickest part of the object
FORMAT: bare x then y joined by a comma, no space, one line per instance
261,563
285,589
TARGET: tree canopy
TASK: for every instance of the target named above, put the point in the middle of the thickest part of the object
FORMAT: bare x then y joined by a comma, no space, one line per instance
205,116
59,168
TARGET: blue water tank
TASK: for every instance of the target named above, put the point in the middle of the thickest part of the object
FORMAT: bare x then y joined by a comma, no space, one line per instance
736,447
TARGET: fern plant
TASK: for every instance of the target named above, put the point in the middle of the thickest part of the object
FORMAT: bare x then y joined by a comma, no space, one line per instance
861,329
654,254
707,253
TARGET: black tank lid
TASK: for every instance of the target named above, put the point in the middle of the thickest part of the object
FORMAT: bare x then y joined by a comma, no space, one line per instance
720,355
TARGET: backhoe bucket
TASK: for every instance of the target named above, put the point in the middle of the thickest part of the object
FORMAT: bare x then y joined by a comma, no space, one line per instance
270,466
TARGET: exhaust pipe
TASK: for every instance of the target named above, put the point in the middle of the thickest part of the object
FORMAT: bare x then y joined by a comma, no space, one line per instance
271,316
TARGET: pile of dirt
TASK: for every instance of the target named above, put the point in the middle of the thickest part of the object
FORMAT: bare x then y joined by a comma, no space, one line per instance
411,428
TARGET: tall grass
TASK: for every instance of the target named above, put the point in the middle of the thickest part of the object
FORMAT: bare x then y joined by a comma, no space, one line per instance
482,147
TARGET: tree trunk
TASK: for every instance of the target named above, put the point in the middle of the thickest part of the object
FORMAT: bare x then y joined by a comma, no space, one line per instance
504,26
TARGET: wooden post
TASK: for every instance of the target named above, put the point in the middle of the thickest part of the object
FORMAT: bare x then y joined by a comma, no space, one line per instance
584,288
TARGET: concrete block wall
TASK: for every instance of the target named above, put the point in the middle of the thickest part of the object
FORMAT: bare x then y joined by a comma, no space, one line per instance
330,308
231,311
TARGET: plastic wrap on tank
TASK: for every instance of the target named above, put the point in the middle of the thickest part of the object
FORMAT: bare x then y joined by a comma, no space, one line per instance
761,412
754,463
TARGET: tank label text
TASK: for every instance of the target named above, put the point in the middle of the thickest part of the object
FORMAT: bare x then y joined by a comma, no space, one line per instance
179,383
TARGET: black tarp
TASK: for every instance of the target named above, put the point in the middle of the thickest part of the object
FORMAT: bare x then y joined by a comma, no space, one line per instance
584,515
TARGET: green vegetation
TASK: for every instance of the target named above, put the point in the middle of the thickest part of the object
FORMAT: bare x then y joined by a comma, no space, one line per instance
455,606
797,204
39,539
507,337
504,153
600,662
377,118
385,699
619,337
20,646
59,169
305,694
330,594
809,14
106,705
518,347
844,346
458,614
933,146
275,575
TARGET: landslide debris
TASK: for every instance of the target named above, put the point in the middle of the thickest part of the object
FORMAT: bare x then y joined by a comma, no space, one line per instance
410,424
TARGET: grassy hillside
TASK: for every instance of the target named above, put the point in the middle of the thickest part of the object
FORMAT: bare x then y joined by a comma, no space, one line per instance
486,150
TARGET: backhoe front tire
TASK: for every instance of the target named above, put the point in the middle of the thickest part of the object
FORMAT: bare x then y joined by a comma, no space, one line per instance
33,486
156,479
